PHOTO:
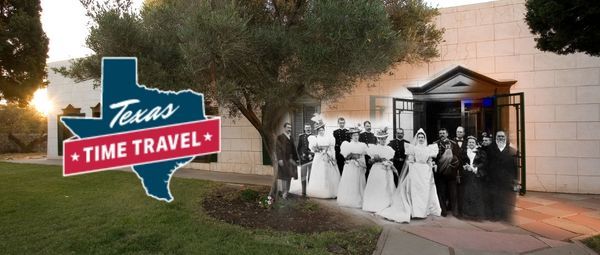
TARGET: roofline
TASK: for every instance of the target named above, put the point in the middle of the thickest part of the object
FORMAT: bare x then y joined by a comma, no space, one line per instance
453,73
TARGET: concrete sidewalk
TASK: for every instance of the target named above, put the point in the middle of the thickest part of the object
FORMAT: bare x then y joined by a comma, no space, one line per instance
545,223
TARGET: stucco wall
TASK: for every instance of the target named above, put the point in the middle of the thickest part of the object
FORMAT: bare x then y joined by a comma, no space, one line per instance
562,98
241,149
562,93
62,92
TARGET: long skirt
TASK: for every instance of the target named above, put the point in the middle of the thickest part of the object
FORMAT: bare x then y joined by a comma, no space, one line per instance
415,197
352,185
324,177
472,197
379,189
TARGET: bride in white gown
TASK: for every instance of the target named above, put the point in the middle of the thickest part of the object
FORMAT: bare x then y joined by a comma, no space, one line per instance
324,175
352,184
416,195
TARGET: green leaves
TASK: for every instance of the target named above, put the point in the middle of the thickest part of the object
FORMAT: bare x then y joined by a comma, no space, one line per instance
565,27
23,50
262,54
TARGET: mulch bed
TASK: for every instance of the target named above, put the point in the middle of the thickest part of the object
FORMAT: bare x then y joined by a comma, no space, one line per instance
296,214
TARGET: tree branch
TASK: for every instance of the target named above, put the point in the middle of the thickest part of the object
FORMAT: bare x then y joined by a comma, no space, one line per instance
249,114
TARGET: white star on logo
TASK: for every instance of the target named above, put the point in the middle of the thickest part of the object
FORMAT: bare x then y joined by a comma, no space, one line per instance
75,157
207,136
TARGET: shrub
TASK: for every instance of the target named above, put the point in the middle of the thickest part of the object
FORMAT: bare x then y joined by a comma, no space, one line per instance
249,195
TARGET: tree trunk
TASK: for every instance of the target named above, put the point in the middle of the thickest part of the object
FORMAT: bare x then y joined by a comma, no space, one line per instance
267,127
273,122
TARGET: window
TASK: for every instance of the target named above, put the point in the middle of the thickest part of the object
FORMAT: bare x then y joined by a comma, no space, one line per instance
300,117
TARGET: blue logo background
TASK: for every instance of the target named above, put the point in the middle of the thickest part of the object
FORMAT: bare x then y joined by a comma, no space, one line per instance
119,83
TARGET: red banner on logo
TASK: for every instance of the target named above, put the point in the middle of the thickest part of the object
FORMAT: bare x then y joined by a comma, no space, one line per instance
143,146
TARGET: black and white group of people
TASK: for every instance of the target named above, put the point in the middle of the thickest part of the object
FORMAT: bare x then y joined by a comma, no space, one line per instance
399,180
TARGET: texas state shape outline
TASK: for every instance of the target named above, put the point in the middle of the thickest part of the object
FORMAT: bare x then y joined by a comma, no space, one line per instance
119,82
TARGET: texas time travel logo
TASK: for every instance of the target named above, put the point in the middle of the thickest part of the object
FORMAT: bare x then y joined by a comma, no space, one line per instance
155,132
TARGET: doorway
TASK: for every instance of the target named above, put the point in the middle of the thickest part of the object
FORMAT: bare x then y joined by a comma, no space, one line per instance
442,115
462,97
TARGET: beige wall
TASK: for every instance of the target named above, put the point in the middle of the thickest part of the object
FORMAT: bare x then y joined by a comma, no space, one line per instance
63,91
562,93
562,98
241,149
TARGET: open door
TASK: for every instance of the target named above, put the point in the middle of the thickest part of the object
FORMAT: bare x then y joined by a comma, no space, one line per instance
409,115
510,117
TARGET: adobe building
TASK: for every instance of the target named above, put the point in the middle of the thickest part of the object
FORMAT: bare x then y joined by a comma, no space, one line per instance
489,76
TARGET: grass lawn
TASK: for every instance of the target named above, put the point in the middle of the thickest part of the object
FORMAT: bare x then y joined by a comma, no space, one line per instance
109,212
593,243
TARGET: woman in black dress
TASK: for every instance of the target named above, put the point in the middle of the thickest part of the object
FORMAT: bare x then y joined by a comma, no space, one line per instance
472,172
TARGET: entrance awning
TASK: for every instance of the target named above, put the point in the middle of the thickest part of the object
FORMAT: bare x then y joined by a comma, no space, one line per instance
460,83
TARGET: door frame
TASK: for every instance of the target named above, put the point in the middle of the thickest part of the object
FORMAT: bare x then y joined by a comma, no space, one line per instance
521,153
516,100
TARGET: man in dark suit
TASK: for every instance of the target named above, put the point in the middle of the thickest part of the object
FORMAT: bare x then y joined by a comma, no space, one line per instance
502,178
367,137
445,175
306,156
286,159
460,139
399,156
340,135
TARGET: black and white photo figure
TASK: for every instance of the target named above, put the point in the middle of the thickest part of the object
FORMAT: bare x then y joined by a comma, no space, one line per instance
324,175
353,181
340,135
459,139
501,185
446,173
416,195
380,184
287,158
398,144
306,157
367,137
471,188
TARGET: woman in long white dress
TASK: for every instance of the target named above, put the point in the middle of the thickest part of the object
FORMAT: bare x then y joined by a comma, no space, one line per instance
352,183
324,175
380,184
416,195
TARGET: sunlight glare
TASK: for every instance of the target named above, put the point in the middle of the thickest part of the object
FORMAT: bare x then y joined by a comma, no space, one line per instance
41,102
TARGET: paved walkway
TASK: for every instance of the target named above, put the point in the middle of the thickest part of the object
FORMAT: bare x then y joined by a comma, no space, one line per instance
545,223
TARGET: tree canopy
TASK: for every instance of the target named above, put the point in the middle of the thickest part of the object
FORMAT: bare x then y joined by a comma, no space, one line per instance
565,27
23,50
258,57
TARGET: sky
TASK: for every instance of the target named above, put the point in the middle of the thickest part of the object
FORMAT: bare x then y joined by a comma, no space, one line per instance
66,25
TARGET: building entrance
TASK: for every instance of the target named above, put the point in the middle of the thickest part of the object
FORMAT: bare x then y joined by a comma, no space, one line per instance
461,97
